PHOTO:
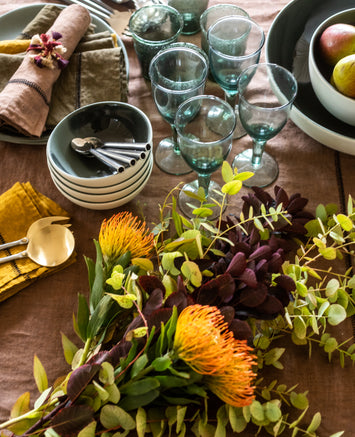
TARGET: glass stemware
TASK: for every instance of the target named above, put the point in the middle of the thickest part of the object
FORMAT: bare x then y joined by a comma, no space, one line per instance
235,42
176,73
205,126
266,93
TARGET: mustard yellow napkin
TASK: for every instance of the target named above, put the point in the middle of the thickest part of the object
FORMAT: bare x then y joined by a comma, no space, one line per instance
24,102
20,206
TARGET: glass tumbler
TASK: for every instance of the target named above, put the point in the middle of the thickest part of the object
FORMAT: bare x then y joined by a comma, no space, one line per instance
191,11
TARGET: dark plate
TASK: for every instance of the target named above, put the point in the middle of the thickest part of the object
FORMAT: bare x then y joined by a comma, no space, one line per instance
294,27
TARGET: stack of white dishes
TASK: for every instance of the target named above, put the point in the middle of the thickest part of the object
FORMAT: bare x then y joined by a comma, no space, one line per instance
85,180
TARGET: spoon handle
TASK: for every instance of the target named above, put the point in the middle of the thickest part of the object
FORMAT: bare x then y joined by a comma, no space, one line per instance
19,255
108,161
14,243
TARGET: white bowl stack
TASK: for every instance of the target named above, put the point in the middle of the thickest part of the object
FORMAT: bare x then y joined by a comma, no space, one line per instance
85,180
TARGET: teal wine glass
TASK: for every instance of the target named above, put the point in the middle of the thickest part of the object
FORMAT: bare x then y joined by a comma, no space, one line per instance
234,42
266,94
205,126
176,74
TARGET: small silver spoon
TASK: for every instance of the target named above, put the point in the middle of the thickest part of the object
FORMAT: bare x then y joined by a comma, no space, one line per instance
86,148
97,143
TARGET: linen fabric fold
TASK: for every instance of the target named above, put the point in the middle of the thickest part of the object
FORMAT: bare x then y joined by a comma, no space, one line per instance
24,102
20,206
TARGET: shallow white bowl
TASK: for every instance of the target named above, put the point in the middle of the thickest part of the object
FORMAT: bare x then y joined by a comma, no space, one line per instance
103,197
101,190
110,121
109,204
342,107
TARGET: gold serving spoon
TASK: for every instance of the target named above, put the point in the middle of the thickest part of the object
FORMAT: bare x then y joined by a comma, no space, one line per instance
49,246
40,223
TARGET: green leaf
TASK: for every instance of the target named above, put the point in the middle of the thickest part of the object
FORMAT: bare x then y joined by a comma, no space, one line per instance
39,375
161,363
88,431
69,349
321,213
180,416
42,399
328,253
300,327
258,224
99,279
314,425
192,272
257,411
227,171
236,419
99,316
124,300
232,187
299,400
106,374
336,314
83,315
345,222
103,394
222,420
141,422
141,386
114,393
21,406
132,402
112,416
139,365
330,345
167,262
272,412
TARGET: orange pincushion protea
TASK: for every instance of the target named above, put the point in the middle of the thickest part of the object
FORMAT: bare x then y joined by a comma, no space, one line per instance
233,384
124,233
203,341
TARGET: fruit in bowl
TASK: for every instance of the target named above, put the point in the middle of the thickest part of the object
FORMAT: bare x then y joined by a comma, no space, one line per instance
336,42
343,77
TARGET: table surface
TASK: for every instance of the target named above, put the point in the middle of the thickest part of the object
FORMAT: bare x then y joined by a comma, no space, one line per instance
31,321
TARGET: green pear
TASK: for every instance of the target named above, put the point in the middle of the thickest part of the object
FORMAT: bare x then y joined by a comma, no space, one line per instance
336,42
343,77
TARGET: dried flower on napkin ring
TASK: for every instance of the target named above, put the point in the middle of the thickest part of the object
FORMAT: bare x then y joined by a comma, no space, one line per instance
50,50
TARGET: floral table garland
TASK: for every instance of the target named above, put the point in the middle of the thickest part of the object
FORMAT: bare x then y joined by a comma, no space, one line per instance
181,321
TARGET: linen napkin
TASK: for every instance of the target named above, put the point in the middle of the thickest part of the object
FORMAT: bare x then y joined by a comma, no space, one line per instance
96,56
20,206
24,102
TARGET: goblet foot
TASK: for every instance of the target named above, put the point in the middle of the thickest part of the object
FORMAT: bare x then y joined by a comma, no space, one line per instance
265,173
169,160
184,200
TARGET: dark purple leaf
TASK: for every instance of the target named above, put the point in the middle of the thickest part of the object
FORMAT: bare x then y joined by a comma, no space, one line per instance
241,329
80,378
237,265
296,204
150,283
275,263
261,252
158,317
178,299
263,195
119,351
154,302
226,287
248,277
228,313
286,282
253,297
70,420
271,306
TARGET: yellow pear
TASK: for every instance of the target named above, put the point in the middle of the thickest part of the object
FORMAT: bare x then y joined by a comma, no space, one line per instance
343,77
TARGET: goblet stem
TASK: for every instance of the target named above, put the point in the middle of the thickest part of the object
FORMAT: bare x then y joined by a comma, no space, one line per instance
175,140
232,99
204,182
258,150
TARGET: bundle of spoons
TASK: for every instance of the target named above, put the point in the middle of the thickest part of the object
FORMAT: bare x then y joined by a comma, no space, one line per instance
116,155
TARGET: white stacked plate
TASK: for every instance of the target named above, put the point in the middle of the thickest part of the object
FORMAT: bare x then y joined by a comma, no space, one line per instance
85,180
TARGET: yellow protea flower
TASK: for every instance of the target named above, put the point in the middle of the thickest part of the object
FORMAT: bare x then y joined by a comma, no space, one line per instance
203,341
234,383
124,233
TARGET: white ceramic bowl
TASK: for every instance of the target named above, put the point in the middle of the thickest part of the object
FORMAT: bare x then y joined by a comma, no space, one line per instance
98,204
110,121
101,190
116,194
341,106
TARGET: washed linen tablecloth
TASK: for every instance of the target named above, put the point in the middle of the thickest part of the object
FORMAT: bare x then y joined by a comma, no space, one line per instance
31,321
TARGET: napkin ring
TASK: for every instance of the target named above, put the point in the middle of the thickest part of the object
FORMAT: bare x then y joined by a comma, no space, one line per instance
49,51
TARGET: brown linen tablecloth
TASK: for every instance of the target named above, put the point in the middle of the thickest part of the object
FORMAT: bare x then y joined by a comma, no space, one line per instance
32,320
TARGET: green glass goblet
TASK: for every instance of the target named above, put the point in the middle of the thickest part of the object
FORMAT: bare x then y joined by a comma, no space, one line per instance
234,42
176,73
266,94
205,126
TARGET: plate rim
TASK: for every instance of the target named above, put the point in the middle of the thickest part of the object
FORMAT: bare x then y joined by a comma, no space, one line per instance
318,132
22,139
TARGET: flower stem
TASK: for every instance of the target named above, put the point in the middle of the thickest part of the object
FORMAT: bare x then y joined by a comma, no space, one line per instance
85,352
